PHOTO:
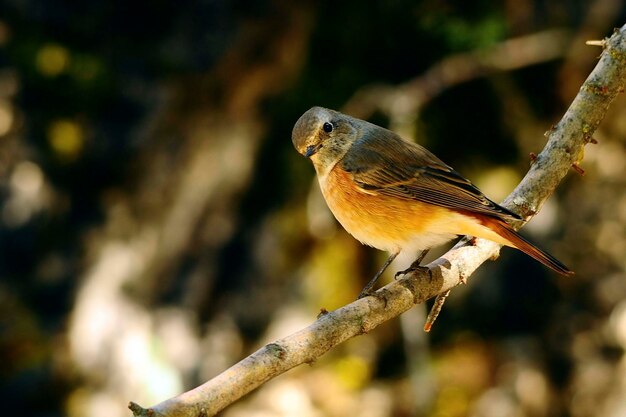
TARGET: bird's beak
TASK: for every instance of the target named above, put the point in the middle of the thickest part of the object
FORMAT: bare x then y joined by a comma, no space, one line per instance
312,150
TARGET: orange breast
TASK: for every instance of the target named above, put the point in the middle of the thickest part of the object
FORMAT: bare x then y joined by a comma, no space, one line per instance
383,222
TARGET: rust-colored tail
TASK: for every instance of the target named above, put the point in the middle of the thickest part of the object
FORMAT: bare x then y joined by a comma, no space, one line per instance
519,242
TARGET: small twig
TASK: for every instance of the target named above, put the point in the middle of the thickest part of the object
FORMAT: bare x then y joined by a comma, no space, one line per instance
601,43
435,310
578,169
139,411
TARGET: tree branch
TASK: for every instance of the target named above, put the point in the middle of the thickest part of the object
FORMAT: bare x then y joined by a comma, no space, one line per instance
401,103
566,142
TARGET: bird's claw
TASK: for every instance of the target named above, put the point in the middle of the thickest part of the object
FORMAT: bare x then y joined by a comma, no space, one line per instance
365,293
412,268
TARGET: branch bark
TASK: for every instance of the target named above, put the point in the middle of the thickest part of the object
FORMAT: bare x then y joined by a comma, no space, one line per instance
566,142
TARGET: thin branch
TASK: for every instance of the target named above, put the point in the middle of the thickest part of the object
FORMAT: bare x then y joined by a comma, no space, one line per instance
435,310
565,145
404,101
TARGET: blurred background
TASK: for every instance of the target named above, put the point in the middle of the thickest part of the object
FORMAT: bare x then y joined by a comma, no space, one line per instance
156,225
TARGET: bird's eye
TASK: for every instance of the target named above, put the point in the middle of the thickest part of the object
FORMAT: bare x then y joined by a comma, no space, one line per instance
328,127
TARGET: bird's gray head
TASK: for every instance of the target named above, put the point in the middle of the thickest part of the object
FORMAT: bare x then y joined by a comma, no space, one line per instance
324,136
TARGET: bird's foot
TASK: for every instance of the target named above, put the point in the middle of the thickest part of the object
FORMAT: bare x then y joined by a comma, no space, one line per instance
381,295
412,268
366,292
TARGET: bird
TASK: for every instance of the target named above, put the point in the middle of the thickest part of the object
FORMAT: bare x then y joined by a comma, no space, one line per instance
395,195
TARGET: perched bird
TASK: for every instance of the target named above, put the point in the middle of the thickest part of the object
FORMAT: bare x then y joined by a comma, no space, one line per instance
395,195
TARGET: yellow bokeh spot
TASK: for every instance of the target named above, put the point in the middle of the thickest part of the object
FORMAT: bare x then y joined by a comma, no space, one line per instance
332,281
66,139
497,182
353,371
52,60
452,401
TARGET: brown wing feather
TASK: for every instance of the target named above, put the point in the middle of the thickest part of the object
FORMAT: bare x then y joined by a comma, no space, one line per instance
383,162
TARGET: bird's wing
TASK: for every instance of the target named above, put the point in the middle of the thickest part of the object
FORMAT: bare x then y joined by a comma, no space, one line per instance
382,162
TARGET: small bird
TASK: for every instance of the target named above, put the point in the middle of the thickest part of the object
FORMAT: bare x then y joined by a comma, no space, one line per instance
395,195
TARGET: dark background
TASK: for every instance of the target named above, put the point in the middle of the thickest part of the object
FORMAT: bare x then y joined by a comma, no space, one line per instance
156,224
